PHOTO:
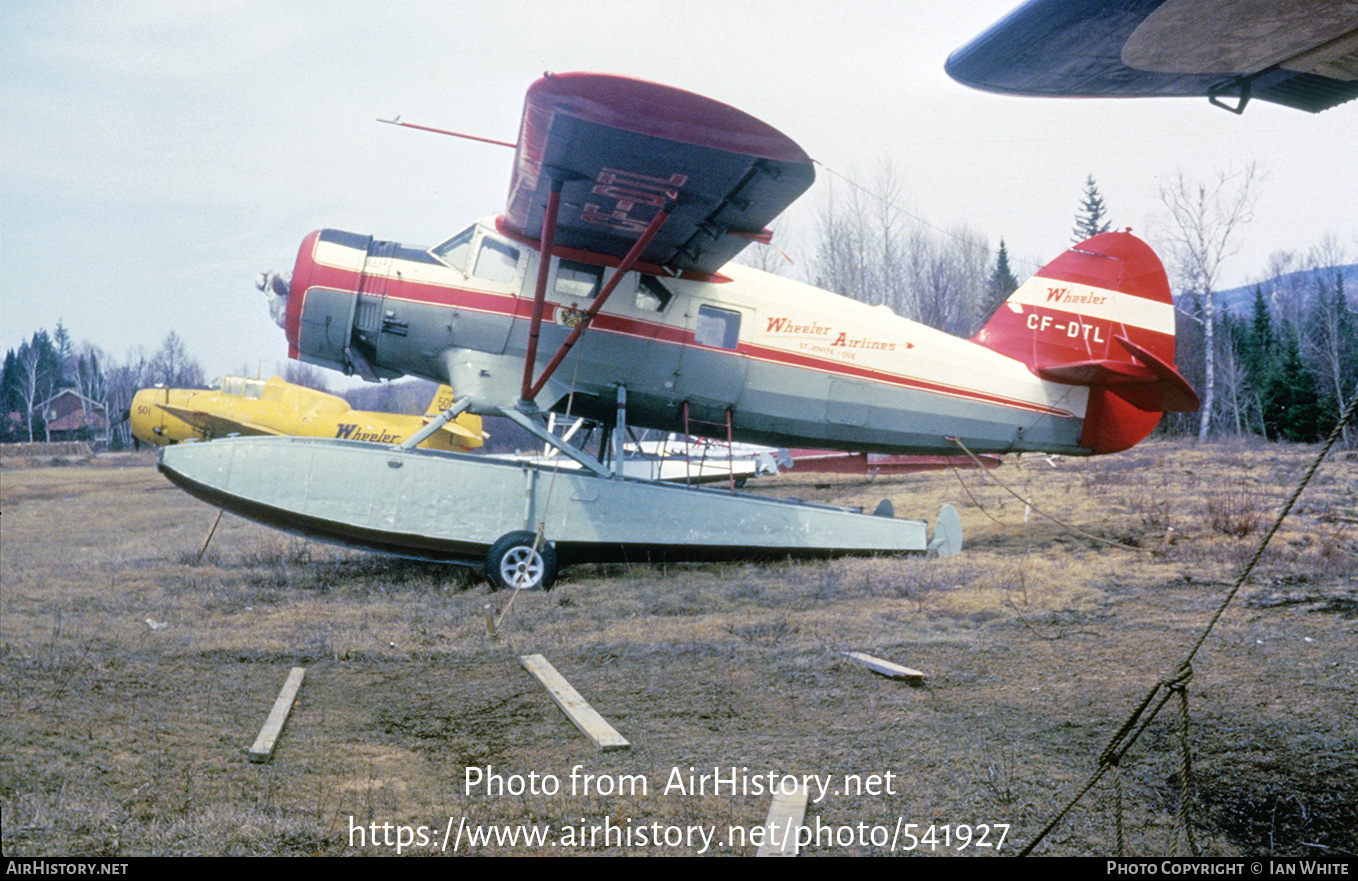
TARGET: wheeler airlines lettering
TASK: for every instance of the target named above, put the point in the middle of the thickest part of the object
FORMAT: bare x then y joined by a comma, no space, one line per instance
789,326
840,338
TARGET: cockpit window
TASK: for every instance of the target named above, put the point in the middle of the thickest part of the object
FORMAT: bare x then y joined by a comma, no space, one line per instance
453,253
496,261
240,387
578,280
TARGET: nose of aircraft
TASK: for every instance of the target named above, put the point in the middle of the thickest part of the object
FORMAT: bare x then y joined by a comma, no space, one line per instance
145,418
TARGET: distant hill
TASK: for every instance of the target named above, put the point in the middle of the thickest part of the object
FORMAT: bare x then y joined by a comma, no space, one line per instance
1241,299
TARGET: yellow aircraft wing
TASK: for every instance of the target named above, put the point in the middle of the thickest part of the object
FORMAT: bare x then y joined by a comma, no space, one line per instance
213,425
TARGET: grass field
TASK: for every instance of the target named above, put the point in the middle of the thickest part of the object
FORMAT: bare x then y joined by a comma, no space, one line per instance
120,738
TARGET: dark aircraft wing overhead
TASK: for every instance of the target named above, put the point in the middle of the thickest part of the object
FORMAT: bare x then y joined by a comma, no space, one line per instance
624,148
1299,54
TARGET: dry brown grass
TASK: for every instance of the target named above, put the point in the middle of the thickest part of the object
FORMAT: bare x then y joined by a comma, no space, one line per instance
117,738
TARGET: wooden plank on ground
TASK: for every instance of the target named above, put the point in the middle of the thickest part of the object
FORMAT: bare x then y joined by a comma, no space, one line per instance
886,668
784,822
585,717
273,726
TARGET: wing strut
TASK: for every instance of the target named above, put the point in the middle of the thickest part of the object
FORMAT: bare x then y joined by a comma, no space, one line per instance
611,285
540,289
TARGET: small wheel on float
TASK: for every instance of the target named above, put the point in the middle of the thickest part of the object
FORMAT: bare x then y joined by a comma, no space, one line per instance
513,563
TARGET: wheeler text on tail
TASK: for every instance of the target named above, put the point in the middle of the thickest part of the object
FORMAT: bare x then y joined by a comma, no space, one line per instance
627,201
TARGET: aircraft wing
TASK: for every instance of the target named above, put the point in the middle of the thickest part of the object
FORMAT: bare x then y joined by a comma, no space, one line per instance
1302,55
623,149
213,425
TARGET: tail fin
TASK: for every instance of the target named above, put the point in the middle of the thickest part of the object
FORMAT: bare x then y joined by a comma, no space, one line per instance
442,400
1100,315
466,429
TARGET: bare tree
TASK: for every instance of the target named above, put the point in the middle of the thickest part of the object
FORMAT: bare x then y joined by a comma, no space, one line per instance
1205,220
948,274
1331,334
842,254
891,286
40,375
870,249
303,374
173,366
30,382
1239,401
122,382
1282,287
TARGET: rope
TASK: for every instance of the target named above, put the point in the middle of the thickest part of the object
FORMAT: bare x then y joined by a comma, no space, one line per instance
1167,688
1277,523
1185,773
1029,503
967,490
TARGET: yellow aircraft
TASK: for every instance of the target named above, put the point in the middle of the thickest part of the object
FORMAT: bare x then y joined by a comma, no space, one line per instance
238,406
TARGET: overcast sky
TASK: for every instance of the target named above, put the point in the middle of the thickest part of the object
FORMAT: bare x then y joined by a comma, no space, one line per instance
157,155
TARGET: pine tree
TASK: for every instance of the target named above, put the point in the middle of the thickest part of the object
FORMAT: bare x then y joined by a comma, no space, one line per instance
1090,222
1262,339
999,285
11,395
1292,410
1258,342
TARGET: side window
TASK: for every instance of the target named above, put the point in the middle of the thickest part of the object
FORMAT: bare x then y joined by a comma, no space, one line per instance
715,327
496,261
578,280
652,296
453,253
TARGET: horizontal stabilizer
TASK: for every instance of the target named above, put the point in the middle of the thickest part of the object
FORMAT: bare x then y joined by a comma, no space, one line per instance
457,430
1146,382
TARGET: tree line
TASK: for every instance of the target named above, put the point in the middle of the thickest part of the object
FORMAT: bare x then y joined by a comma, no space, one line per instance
1288,366
49,363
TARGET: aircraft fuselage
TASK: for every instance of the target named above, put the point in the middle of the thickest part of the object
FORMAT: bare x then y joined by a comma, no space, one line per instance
791,364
